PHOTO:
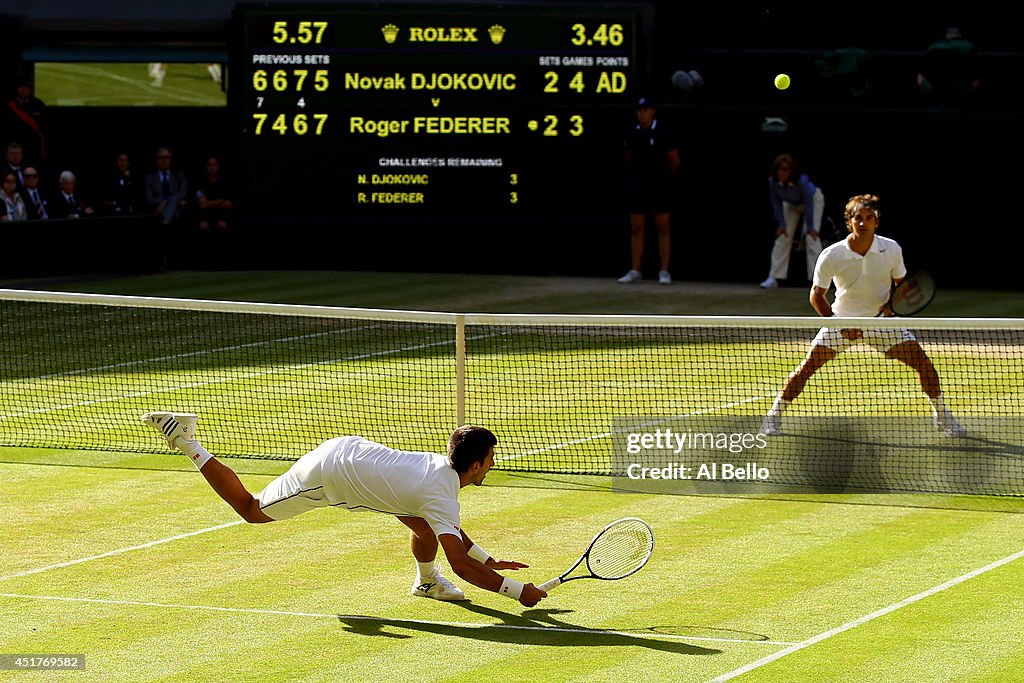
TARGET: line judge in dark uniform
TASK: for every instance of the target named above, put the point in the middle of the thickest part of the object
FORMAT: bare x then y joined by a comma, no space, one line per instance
652,161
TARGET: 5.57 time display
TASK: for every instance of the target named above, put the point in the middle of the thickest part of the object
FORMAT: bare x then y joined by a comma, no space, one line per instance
434,112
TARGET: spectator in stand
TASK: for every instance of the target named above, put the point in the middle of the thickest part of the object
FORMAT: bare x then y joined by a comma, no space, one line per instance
123,194
948,67
13,161
35,203
14,205
166,189
26,113
212,197
67,205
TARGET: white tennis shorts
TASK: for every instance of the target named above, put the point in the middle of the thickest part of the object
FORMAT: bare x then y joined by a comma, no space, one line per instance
300,489
879,339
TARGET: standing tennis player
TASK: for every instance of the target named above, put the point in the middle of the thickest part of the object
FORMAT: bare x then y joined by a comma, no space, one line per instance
864,267
420,489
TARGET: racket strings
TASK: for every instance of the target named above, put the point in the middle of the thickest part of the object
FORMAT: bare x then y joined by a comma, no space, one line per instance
913,294
620,550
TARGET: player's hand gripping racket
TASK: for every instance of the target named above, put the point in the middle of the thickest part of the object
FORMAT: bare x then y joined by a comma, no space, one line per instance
618,550
912,295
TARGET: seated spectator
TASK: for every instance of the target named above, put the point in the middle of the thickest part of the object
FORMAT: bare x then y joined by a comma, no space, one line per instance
67,205
212,197
166,189
14,205
35,203
846,71
13,162
123,193
948,67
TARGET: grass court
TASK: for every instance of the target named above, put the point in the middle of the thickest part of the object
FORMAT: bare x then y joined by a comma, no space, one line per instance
130,559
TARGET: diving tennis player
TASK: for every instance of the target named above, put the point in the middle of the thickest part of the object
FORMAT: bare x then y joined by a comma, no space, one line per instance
420,489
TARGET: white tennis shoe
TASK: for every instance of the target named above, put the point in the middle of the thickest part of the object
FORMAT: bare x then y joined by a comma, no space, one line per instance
664,277
437,587
772,425
173,426
948,425
630,277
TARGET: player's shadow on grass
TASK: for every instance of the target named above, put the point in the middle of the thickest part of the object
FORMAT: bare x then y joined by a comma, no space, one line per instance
533,627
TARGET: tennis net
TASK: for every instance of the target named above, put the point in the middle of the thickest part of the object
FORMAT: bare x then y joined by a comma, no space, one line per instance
570,394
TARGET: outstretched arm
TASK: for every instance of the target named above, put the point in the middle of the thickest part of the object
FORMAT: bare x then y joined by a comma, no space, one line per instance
484,577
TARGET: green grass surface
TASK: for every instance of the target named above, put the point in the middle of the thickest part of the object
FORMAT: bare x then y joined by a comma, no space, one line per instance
125,84
324,597
98,560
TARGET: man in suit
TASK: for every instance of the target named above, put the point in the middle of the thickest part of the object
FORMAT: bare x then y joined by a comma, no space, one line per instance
67,205
13,163
166,189
35,203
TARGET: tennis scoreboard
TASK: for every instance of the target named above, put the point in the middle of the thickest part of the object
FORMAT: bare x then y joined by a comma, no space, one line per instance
440,112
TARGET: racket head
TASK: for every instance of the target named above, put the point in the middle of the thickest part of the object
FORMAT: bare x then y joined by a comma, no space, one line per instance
913,294
620,549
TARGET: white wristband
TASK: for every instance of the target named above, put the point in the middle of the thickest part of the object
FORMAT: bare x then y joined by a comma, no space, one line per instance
511,588
478,554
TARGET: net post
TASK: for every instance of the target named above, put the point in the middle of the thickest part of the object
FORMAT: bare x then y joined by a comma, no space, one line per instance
460,370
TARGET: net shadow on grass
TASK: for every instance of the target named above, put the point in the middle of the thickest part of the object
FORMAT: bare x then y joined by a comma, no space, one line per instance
604,484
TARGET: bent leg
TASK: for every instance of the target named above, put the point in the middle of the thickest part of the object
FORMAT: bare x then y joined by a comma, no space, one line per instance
422,539
816,358
784,242
911,353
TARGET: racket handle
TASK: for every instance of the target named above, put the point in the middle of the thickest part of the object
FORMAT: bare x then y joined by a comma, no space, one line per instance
548,585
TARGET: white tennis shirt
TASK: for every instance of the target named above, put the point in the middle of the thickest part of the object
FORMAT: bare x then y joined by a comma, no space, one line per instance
863,282
364,475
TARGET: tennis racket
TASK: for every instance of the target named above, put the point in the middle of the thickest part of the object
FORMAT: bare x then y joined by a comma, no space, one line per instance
618,550
913,294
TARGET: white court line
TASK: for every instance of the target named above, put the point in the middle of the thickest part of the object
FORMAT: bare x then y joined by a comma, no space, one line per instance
602,435
392,622
119,551
867,617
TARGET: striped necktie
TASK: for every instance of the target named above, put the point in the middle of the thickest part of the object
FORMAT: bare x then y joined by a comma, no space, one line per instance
40,210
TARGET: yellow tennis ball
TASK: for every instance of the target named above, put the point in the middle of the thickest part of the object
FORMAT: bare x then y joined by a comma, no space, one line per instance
782,81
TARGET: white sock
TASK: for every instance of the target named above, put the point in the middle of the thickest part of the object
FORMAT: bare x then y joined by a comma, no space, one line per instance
779,406
195,451
938,405
425,570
